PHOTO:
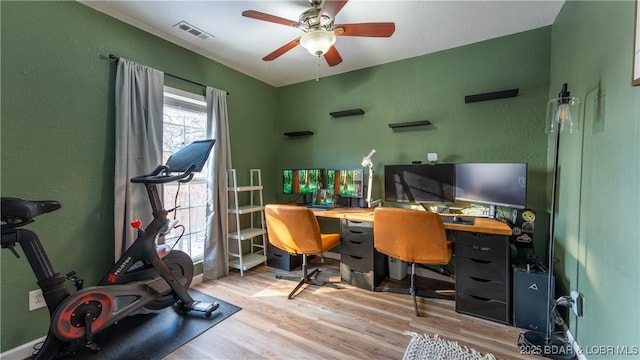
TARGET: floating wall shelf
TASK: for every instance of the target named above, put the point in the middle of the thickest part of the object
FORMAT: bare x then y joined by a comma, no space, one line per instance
298,133
491,96
410,124
342,113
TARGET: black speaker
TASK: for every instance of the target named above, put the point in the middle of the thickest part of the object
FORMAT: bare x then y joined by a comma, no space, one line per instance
530,300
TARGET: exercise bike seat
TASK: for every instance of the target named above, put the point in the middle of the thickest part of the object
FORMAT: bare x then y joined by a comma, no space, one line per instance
16,211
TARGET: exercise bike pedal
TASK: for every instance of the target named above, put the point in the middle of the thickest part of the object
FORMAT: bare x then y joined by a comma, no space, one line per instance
200,306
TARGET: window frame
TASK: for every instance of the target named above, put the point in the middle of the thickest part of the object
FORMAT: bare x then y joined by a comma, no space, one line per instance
190,102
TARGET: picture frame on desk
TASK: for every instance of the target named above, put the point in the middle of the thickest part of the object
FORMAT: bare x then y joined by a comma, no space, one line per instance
636,46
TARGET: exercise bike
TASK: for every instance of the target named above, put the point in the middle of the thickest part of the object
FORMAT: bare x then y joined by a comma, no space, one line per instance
141,278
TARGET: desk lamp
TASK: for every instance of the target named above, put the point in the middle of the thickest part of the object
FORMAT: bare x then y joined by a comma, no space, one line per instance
559,120
366,162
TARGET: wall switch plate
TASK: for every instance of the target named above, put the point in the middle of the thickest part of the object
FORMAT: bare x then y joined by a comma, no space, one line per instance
36,300
578,303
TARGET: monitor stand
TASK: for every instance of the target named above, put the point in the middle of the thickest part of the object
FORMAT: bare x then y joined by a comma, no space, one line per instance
492,211
350,202
354,202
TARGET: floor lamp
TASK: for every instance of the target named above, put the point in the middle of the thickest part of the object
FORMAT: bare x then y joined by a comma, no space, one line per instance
562,117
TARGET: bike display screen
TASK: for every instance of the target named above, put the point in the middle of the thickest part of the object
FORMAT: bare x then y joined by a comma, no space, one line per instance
195,153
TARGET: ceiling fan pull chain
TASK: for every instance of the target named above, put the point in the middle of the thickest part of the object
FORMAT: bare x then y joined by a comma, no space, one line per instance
318,69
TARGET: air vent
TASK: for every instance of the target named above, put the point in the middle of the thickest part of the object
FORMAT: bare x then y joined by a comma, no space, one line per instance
185,26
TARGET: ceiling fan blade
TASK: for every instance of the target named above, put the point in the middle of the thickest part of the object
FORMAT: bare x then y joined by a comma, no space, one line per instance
385,29
281,50
267,17
331,8
333,56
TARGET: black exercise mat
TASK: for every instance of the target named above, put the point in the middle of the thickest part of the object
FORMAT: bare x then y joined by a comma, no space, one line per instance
155,335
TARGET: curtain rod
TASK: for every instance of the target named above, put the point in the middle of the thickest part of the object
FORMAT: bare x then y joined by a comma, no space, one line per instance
117,58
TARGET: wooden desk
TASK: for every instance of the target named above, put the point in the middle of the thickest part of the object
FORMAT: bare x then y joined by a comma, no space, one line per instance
483,280
480,225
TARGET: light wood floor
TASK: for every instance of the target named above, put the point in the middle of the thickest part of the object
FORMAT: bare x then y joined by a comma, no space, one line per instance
326,323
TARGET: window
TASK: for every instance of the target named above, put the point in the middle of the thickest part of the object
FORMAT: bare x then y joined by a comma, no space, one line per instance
185,120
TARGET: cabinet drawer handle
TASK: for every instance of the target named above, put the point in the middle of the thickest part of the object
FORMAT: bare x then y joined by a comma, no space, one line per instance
479,298
481,248
356,257
480,261
479,280
357,272
277,255
355,232
356,242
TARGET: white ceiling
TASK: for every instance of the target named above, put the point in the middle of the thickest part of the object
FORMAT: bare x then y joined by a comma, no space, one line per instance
240,43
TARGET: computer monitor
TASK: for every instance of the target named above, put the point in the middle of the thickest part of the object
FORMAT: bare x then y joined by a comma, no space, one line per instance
346,183
195,153
502,184
420,183
302,181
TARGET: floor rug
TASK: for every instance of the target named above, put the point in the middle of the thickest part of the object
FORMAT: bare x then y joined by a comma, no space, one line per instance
155,335
424,347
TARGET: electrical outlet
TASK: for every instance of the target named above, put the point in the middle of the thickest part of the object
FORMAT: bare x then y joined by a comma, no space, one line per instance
36,300
578,303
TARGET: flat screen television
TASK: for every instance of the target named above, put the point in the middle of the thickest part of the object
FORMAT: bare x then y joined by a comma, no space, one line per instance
302,181
196,153
502,184
346,183
420,183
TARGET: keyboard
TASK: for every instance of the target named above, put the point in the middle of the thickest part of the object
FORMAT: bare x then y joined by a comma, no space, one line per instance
462,220
321,207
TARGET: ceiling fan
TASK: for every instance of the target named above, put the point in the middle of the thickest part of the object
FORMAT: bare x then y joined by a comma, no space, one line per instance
320,30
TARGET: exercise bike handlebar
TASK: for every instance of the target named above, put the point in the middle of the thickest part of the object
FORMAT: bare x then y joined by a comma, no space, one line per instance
162,175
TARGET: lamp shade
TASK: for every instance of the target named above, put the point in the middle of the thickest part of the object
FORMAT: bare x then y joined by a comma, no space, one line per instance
318,42
562,113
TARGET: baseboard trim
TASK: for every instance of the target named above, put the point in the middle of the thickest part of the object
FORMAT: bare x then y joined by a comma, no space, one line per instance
23,351
576,348
197,279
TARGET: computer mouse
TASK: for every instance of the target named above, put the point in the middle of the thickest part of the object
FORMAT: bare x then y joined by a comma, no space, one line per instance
457,219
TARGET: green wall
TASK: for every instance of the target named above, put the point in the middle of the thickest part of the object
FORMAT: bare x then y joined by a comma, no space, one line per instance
58,134
57,138
430,87
597,242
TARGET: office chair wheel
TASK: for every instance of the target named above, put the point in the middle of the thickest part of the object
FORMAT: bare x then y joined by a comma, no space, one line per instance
181,267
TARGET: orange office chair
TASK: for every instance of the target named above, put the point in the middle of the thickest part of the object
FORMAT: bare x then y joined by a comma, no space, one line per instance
413,236
295,230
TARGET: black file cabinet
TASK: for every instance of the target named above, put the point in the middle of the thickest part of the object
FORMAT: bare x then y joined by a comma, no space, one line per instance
483,275
281,259
360,264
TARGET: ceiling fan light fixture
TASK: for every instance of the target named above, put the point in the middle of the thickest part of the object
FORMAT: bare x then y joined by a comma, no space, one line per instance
318,42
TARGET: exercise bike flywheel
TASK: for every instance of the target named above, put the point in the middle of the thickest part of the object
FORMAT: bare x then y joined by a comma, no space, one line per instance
69,320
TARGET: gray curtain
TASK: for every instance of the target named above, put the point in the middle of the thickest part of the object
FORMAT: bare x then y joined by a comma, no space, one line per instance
139,102
216,262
